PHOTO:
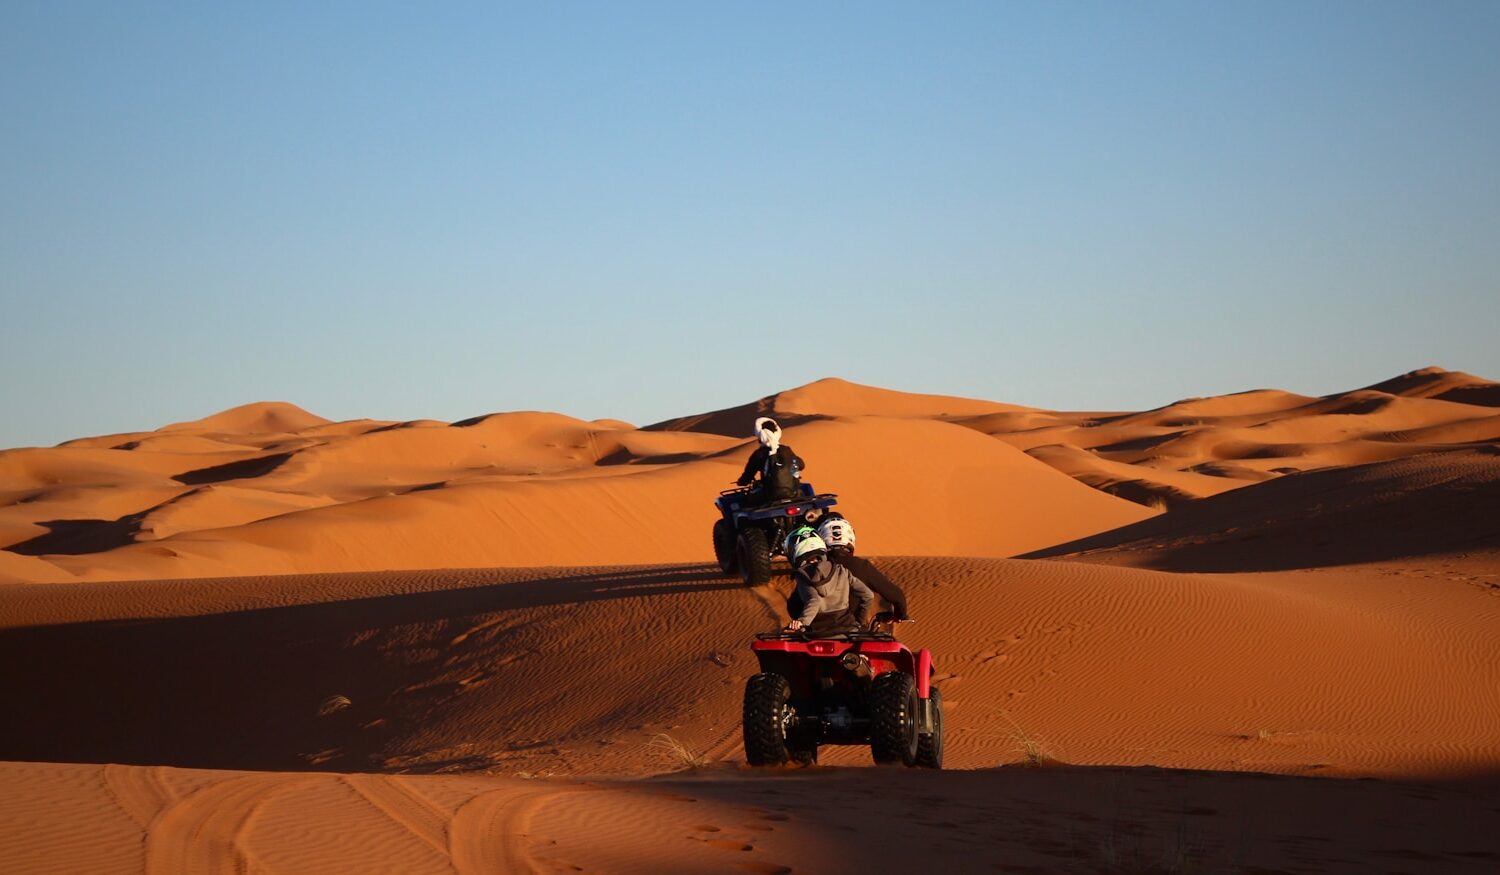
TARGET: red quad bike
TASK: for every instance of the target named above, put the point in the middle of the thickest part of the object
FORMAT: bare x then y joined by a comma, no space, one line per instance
841,688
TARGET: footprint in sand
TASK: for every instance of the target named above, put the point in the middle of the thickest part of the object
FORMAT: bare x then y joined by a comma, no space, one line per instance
764,868
730,845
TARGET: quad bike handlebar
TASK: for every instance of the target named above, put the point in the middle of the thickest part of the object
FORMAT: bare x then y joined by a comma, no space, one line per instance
805,635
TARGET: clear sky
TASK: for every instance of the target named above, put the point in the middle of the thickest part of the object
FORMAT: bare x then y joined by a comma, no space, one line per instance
640,210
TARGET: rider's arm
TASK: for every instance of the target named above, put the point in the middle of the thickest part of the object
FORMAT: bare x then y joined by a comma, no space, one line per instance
863,597
754,463
811,604
883,586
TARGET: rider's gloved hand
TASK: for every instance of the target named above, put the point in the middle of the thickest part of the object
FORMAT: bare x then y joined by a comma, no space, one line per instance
793,626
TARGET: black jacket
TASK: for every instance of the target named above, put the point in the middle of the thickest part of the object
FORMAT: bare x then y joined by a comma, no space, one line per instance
866,571
757,462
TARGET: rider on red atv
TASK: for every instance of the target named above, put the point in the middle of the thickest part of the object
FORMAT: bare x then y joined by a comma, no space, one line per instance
825,591
836,682
837,535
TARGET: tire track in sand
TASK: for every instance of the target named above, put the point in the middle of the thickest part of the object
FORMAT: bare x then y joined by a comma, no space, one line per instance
405,806
489,833
731,741
204,832
138,791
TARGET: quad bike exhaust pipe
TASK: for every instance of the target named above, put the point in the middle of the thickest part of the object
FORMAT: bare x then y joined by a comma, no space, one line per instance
856,664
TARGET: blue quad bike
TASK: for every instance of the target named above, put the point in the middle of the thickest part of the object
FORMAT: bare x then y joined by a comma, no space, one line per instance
746,537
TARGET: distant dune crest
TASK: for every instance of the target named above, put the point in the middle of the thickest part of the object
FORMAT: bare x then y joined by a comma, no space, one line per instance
270,488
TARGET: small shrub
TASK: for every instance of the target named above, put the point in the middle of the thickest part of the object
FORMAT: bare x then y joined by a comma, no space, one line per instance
1033,751
678,752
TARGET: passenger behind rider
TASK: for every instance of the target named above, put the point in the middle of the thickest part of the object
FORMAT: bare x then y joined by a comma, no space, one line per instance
838,534
777,466
833,600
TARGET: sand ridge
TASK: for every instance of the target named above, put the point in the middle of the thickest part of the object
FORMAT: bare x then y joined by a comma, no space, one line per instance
522,489
271,488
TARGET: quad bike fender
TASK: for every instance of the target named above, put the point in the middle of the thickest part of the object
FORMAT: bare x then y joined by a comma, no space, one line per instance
924,673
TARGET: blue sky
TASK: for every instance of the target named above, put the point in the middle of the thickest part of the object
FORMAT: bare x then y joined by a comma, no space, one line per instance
645,210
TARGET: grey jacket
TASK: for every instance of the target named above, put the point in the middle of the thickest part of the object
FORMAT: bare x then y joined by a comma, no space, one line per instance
826,589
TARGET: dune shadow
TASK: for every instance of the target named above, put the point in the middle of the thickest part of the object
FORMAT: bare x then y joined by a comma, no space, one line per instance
1326,517
242,690
623,456
735,422
240,470
76,537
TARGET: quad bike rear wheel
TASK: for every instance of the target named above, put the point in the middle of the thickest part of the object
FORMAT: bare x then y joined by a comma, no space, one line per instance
930,744
894,716
754,554
771,738
724,547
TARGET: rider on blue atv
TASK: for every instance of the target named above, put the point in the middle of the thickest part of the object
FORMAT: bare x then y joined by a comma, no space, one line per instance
779,468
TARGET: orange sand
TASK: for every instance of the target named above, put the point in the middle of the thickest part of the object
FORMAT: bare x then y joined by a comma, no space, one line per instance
262,641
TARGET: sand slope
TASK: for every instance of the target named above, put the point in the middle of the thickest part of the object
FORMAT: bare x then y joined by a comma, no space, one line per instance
582,678
271,488
1440,502
1263,640
518,489
1386,670
833,397
129,819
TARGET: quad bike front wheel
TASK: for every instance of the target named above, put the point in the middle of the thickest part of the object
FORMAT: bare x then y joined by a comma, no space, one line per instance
754,554
930,744
771,738
724,547
894,717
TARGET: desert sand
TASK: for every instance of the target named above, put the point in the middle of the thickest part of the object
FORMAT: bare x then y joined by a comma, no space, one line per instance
1249,633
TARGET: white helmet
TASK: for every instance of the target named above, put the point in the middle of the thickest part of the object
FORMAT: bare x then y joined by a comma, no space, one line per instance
789,546
837,532
768,433
809,544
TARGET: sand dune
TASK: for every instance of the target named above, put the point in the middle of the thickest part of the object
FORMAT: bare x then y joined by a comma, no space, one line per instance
1443,384
1389,672
532,489
267,641
271,488
264,417
1348,673
1440,502
659,512
1138,483
834,397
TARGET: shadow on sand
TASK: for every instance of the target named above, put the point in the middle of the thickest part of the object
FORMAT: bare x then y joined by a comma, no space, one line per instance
242,690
